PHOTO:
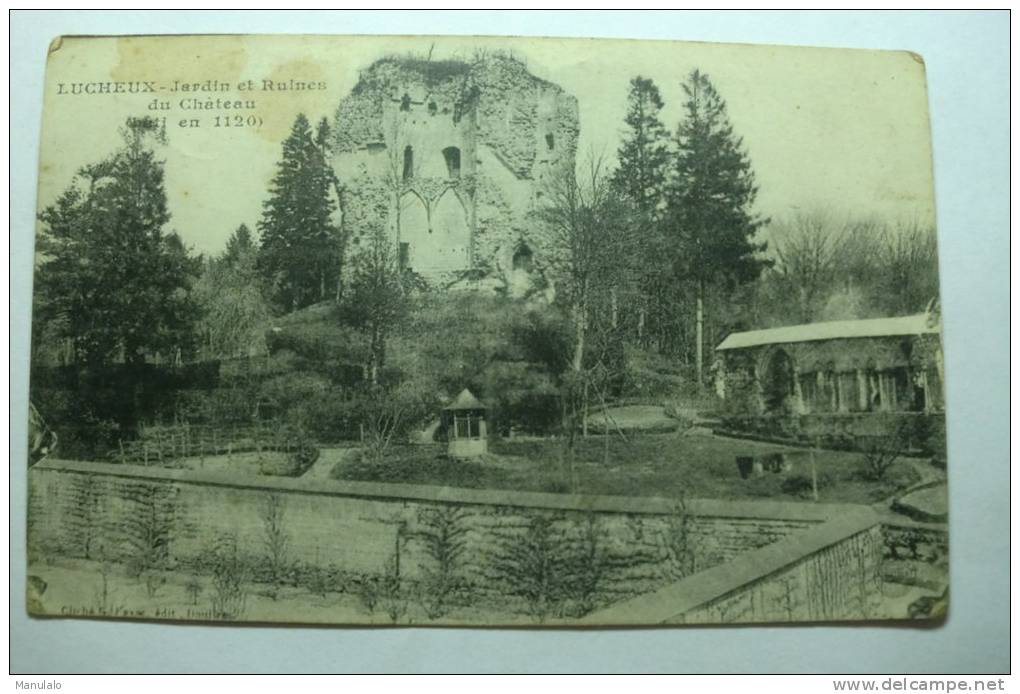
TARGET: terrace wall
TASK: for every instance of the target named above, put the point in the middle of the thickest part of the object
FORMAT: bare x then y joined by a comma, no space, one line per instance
105,511
831,572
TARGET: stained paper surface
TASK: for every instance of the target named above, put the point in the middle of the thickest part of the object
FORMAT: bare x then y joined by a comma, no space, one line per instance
491,331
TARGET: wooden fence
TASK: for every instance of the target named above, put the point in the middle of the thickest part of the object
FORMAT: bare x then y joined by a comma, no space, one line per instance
159,444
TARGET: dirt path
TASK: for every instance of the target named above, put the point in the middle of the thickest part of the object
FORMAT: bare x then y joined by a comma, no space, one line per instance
928,472
328,458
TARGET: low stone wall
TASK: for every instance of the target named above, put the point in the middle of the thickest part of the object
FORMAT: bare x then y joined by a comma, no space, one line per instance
920,432
830,572
909,540
915,553
116,513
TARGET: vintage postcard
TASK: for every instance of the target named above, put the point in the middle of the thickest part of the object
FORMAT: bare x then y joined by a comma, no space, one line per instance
485,331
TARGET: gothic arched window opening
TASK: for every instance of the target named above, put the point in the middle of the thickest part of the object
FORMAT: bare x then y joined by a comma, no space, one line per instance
452,157
408,163
522,259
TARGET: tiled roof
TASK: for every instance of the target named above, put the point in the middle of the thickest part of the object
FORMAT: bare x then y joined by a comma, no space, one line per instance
919,324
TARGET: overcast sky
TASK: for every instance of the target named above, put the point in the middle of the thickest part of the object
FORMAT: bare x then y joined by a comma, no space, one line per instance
834,129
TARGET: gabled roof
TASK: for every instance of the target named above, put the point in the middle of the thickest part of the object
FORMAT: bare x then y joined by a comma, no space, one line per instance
919,324
465,401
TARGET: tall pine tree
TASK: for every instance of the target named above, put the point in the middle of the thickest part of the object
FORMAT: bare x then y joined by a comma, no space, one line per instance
298,252
324,139
239,246
643,164
710,203
643,157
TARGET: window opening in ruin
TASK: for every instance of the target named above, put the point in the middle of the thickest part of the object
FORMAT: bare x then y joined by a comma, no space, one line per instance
432,108
452,156
405,254
405,102
550,141
522,259
408,163
778,383
809,391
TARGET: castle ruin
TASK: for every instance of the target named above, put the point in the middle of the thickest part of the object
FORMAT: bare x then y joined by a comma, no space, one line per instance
452,159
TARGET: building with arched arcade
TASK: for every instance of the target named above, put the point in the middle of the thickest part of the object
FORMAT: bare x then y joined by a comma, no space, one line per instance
875,365
452,159
847,377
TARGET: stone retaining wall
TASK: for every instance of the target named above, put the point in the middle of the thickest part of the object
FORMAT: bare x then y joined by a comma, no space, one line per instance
830,572
108,512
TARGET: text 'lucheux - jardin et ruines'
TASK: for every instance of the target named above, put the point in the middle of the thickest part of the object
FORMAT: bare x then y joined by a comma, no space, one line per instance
222,104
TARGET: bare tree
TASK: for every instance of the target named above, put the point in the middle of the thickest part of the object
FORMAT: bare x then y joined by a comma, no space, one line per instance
376,300
909,277
808,249
590,242
880,454
384,418
832,269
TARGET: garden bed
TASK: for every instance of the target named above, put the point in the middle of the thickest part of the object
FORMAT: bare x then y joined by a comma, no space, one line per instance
661,465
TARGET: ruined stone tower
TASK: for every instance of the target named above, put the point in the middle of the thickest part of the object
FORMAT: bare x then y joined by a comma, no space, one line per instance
452,159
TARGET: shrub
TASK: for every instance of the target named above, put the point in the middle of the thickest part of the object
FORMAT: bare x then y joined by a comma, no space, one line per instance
290,389
443,532
520,395
229,573
507,354
299,453
194,589
422,464
275,537
369,590
556,487
386,589
320,340
530,565
880,453
555,570
645,385
330,416
587,566
800,484
678,542
301,456
675,411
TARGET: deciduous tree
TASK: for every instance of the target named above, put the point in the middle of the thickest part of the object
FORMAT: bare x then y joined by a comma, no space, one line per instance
111,278
591,260
235,312
376,300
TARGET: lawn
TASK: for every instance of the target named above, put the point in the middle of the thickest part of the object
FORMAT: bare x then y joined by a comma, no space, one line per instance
663,465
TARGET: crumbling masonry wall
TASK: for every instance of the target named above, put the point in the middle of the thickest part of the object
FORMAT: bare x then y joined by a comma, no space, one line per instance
451,159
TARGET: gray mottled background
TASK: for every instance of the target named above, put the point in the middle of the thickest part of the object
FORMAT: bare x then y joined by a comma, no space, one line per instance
967,57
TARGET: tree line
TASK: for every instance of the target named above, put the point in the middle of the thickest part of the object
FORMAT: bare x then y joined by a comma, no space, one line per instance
664,251
674,235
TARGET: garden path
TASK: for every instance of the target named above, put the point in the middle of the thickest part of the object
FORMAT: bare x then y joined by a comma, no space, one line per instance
328,458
